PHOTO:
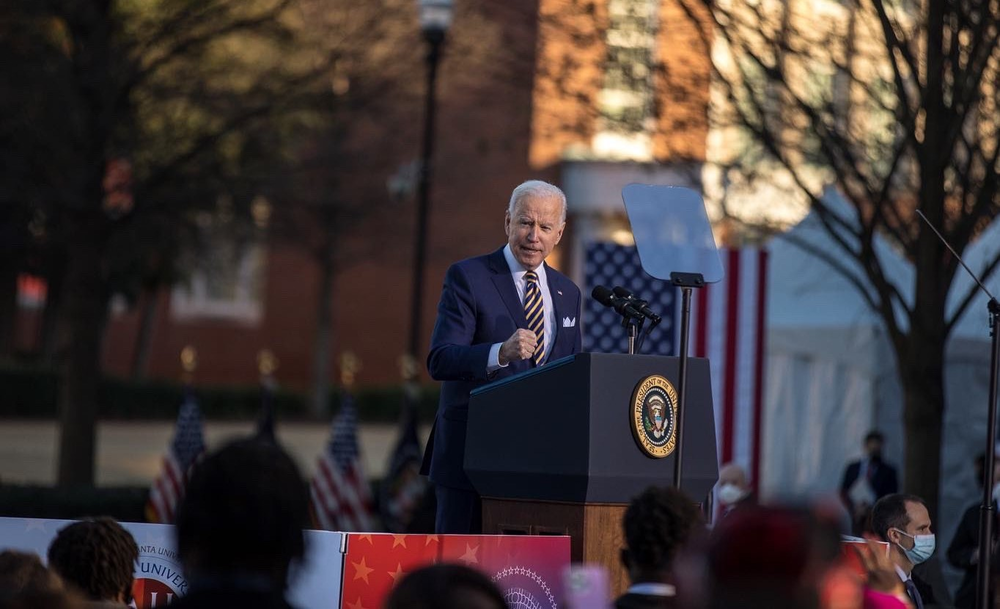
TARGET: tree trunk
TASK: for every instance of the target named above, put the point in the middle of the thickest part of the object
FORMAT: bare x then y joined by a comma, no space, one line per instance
8,305
144,337
81,322
922,370
323,344
53,305
921,355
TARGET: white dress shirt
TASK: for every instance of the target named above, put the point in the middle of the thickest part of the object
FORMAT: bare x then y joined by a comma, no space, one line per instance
518,271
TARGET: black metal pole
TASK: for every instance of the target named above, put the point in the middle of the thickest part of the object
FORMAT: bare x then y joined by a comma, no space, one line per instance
435,39
986,510
682,383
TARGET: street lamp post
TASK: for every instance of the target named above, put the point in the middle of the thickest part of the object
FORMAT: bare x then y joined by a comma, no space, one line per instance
435,18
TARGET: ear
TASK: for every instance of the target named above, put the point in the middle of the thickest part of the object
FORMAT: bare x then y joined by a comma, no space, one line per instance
560,232
506,222
892,536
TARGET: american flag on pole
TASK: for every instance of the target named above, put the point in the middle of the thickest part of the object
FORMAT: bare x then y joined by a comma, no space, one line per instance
727,326
187,446
340,494
403,487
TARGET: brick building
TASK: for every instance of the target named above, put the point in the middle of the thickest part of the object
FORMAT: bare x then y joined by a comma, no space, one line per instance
596,94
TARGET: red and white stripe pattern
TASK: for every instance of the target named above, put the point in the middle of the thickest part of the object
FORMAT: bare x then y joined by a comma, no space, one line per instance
340,492
728,327
167,490
186,448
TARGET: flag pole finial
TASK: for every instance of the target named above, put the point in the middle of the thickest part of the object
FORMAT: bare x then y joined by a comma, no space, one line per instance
408,368
267,363
350,365
189,363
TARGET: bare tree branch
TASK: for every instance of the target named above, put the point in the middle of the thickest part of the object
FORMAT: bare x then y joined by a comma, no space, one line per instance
971,293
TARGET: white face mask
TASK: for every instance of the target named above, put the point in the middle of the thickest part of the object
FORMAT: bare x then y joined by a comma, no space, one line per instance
729,493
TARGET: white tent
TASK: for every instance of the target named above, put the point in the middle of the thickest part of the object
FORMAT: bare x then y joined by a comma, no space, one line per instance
831,372
967,380
829,364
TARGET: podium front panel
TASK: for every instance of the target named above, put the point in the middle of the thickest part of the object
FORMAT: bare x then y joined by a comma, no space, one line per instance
528,435
619,469
563,432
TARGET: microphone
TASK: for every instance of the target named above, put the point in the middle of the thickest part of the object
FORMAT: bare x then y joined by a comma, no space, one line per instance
641,305
607,298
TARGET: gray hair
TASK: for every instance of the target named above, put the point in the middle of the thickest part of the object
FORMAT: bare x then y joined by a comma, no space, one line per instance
536,188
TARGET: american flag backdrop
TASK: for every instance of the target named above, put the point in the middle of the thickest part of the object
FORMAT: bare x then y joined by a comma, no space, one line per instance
340,494
186,447
727,326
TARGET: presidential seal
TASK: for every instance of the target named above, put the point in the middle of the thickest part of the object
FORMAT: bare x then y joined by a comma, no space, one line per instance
654,415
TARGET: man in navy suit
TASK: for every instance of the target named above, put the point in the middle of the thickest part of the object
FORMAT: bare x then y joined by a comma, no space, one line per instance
903,521
877,476
500,314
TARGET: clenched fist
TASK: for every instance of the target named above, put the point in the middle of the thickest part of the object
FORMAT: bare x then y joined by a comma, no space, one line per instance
521,345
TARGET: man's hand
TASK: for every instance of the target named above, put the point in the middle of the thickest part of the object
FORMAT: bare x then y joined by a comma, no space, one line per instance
519,346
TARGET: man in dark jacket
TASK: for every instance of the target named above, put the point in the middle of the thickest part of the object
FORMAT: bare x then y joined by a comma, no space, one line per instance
500,314
239,527
657,524
903,521
866,481
963,552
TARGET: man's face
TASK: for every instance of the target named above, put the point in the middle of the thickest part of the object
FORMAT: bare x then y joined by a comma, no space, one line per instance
920,524
873,448
731,474
534,229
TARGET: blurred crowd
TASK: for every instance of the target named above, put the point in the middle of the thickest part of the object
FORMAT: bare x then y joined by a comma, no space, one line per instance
239,535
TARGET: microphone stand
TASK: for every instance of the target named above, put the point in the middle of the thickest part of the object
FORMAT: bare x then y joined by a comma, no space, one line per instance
987,512
634,325
686,282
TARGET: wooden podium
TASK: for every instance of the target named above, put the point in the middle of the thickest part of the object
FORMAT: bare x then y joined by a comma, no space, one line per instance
552,451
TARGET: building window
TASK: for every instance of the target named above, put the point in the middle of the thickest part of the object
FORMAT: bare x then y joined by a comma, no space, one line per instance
626,98
227,272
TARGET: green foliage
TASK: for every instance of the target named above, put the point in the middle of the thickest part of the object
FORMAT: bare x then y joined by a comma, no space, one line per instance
121,503
33,393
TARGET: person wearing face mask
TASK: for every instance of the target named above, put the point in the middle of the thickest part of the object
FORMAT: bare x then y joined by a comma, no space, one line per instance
733,492
903,521
963,552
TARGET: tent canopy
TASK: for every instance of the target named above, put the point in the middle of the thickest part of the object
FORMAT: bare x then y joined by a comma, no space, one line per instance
832,374
806,289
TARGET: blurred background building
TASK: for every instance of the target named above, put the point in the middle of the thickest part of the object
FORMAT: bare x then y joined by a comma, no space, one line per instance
589,95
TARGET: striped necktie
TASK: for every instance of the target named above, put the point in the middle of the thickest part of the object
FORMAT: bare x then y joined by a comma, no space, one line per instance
534,312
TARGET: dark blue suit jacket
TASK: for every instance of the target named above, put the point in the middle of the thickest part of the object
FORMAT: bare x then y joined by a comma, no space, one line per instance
480,307
883,480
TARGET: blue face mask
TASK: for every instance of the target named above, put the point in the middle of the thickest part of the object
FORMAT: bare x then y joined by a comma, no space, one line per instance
923,547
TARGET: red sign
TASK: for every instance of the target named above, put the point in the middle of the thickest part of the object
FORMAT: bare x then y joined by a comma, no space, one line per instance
522,566
150,593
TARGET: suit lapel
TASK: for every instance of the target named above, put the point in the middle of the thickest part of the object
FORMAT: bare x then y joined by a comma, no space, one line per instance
557,305
504,282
